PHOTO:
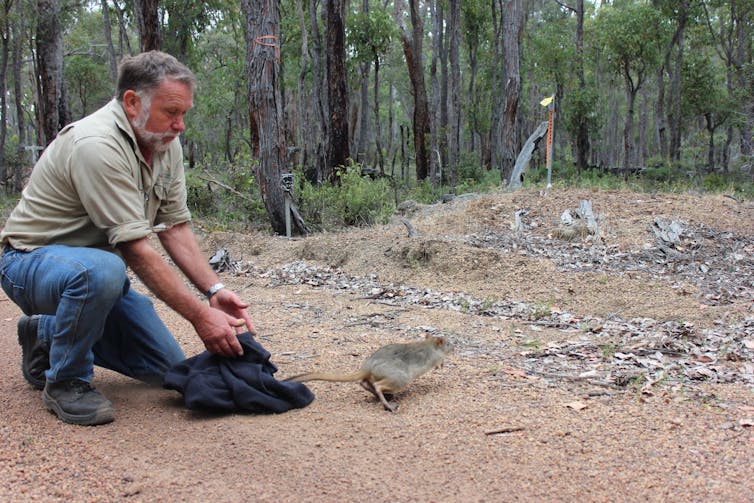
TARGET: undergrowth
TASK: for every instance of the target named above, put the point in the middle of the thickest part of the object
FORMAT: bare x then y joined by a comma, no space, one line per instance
227,197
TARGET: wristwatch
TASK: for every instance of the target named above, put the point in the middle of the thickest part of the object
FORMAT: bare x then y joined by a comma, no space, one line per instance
213,290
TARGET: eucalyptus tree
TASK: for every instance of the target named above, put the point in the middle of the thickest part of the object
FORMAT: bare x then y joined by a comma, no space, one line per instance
319,84
437,146
187,20
262,37
87,74
371,33
52,111
220,128
5,41
148,24
677,14
454,108
18,36
338,148
552,54
582,100
704,95
631,36
109,39
476,25
412,42
361,139
506,132
731,24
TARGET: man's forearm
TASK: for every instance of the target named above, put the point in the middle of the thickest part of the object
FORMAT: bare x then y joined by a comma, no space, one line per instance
180,243
161,278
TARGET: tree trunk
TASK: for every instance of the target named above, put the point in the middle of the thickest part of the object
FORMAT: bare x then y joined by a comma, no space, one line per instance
442,131
642,151
50,68
148,24
491,159
124,44
513,17
319,84
178,32
629,160
4,53
437,37
377,126
582,130
363,117
109,39
745,57
412,50
473,98
337,88
390,120
711,143
613,144
454,116
361,141
305,127
675,84
262,31
19,32
662,139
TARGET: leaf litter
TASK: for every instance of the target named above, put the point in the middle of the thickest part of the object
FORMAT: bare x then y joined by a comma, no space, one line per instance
608,351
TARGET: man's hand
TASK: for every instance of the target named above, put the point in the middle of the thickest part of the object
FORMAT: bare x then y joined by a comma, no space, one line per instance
228,302
218,332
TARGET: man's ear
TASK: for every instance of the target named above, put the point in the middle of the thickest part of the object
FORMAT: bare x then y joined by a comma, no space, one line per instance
131,104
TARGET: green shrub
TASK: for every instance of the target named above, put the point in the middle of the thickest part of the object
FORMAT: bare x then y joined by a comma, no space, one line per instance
356,200
715,182
228,197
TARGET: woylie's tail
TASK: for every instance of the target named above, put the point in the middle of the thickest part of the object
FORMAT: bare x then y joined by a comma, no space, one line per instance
324,376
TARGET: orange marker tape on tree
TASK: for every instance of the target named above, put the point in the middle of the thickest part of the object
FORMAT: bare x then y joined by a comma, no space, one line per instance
260,41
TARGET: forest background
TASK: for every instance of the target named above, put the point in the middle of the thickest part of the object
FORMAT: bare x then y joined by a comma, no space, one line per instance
428,98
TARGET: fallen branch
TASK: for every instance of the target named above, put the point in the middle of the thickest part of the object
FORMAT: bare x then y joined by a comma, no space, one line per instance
510,429
210,179
411,231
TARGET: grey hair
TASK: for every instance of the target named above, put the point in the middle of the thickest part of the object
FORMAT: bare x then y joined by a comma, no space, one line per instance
145,72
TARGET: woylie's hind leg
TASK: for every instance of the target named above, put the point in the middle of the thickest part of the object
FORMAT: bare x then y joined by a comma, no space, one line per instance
367,385
381,396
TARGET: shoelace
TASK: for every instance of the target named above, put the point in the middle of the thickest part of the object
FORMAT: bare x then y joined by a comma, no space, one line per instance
80,387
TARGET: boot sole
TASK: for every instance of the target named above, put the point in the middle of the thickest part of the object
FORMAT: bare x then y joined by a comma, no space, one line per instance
102,415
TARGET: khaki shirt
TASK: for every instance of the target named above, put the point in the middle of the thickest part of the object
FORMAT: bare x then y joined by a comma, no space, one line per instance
92,187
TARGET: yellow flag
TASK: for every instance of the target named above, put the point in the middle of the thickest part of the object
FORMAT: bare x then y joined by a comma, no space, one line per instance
547,101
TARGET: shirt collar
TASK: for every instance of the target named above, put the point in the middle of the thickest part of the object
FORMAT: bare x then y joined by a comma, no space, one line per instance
121,120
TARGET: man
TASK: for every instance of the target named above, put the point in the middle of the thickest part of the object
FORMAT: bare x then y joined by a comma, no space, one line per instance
98,191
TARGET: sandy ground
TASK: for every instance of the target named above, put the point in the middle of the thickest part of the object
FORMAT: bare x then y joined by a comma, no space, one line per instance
495,423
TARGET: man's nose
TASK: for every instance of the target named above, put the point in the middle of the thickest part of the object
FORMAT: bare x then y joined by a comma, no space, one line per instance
179,124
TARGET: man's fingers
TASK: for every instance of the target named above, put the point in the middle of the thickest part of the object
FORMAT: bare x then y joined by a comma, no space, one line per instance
235,346
239,322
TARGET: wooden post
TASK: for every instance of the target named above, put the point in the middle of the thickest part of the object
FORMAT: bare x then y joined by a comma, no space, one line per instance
548,154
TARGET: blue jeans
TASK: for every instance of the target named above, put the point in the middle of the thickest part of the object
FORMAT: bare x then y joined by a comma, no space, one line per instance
90,315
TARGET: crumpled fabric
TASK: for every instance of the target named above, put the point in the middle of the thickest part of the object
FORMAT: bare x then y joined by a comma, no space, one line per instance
242,384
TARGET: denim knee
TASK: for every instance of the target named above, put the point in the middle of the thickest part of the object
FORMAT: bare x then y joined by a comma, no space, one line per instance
106,280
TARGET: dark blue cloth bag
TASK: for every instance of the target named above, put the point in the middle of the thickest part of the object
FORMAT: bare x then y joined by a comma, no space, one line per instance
242,384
